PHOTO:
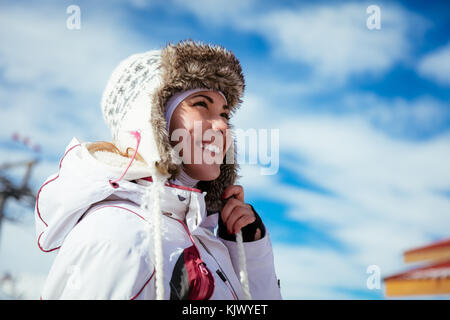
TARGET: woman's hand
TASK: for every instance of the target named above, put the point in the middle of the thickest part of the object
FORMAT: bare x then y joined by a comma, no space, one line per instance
236,214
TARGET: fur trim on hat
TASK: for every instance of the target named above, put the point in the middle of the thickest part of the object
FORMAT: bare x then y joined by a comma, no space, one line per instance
187,65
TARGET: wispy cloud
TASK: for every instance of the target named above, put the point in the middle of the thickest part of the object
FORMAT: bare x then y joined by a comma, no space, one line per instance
436,65
386,197
310,273
332,40
418,118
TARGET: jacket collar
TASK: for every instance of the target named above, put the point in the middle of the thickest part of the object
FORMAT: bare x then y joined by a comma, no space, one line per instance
184,203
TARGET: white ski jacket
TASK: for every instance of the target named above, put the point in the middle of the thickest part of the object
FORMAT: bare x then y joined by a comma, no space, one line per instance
104,245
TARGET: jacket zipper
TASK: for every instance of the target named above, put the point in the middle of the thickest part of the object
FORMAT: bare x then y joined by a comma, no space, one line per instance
227,283
201,266
224,279
221,273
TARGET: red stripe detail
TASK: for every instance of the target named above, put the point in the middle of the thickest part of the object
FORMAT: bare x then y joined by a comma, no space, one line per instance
439,244
37,202
37,199
231,290
42,249
138,215
169,184
201,280
407,274
188,232
40,189
46,225
137,294
113,206
192,240
50,250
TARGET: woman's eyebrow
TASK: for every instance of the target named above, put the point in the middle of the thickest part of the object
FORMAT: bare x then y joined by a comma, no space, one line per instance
210,100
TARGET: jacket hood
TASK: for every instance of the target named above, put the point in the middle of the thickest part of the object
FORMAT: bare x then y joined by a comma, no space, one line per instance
111,253
83,181
138,90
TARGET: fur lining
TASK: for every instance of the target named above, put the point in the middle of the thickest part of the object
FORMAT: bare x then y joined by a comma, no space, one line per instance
116,160
187,65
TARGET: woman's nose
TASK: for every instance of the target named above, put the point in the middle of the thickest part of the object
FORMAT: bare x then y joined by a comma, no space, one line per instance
219,125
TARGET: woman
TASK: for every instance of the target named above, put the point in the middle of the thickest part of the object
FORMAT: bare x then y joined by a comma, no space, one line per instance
136,218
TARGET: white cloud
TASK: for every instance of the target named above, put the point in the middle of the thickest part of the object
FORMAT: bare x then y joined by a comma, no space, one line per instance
386,198
436,65
423,116
333,40
219,11
309,273
390,177
38,50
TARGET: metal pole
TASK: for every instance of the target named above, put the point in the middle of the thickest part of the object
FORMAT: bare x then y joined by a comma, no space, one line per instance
2,206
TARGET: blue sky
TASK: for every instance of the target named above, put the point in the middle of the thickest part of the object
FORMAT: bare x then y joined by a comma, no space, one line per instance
363,118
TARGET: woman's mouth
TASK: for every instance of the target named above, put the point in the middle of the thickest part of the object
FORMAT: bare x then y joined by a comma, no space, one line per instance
210,146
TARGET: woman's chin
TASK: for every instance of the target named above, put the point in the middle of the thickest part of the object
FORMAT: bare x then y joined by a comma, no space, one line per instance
203,172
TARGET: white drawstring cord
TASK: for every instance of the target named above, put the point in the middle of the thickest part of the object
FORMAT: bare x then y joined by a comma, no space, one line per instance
243,266
243,274
156,190
151,195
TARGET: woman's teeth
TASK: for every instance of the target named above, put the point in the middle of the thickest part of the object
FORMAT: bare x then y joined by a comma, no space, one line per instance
211,147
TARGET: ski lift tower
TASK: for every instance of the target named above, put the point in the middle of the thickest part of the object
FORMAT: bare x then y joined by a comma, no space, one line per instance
19,191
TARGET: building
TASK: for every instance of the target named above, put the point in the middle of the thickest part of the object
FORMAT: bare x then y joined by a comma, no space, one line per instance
433,278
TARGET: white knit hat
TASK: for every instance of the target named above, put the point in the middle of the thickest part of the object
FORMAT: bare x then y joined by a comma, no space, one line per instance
126,102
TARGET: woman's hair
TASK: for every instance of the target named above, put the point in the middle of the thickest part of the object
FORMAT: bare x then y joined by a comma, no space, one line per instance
173,169
110,147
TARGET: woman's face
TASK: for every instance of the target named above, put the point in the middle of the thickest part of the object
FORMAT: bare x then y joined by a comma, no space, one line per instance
198,132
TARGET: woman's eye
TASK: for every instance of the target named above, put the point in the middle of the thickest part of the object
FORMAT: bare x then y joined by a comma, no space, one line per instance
201,103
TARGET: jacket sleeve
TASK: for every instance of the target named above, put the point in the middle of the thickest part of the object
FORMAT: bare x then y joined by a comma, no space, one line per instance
93,264
263,281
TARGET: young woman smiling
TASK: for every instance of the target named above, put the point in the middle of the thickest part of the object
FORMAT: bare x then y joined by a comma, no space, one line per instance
156,213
